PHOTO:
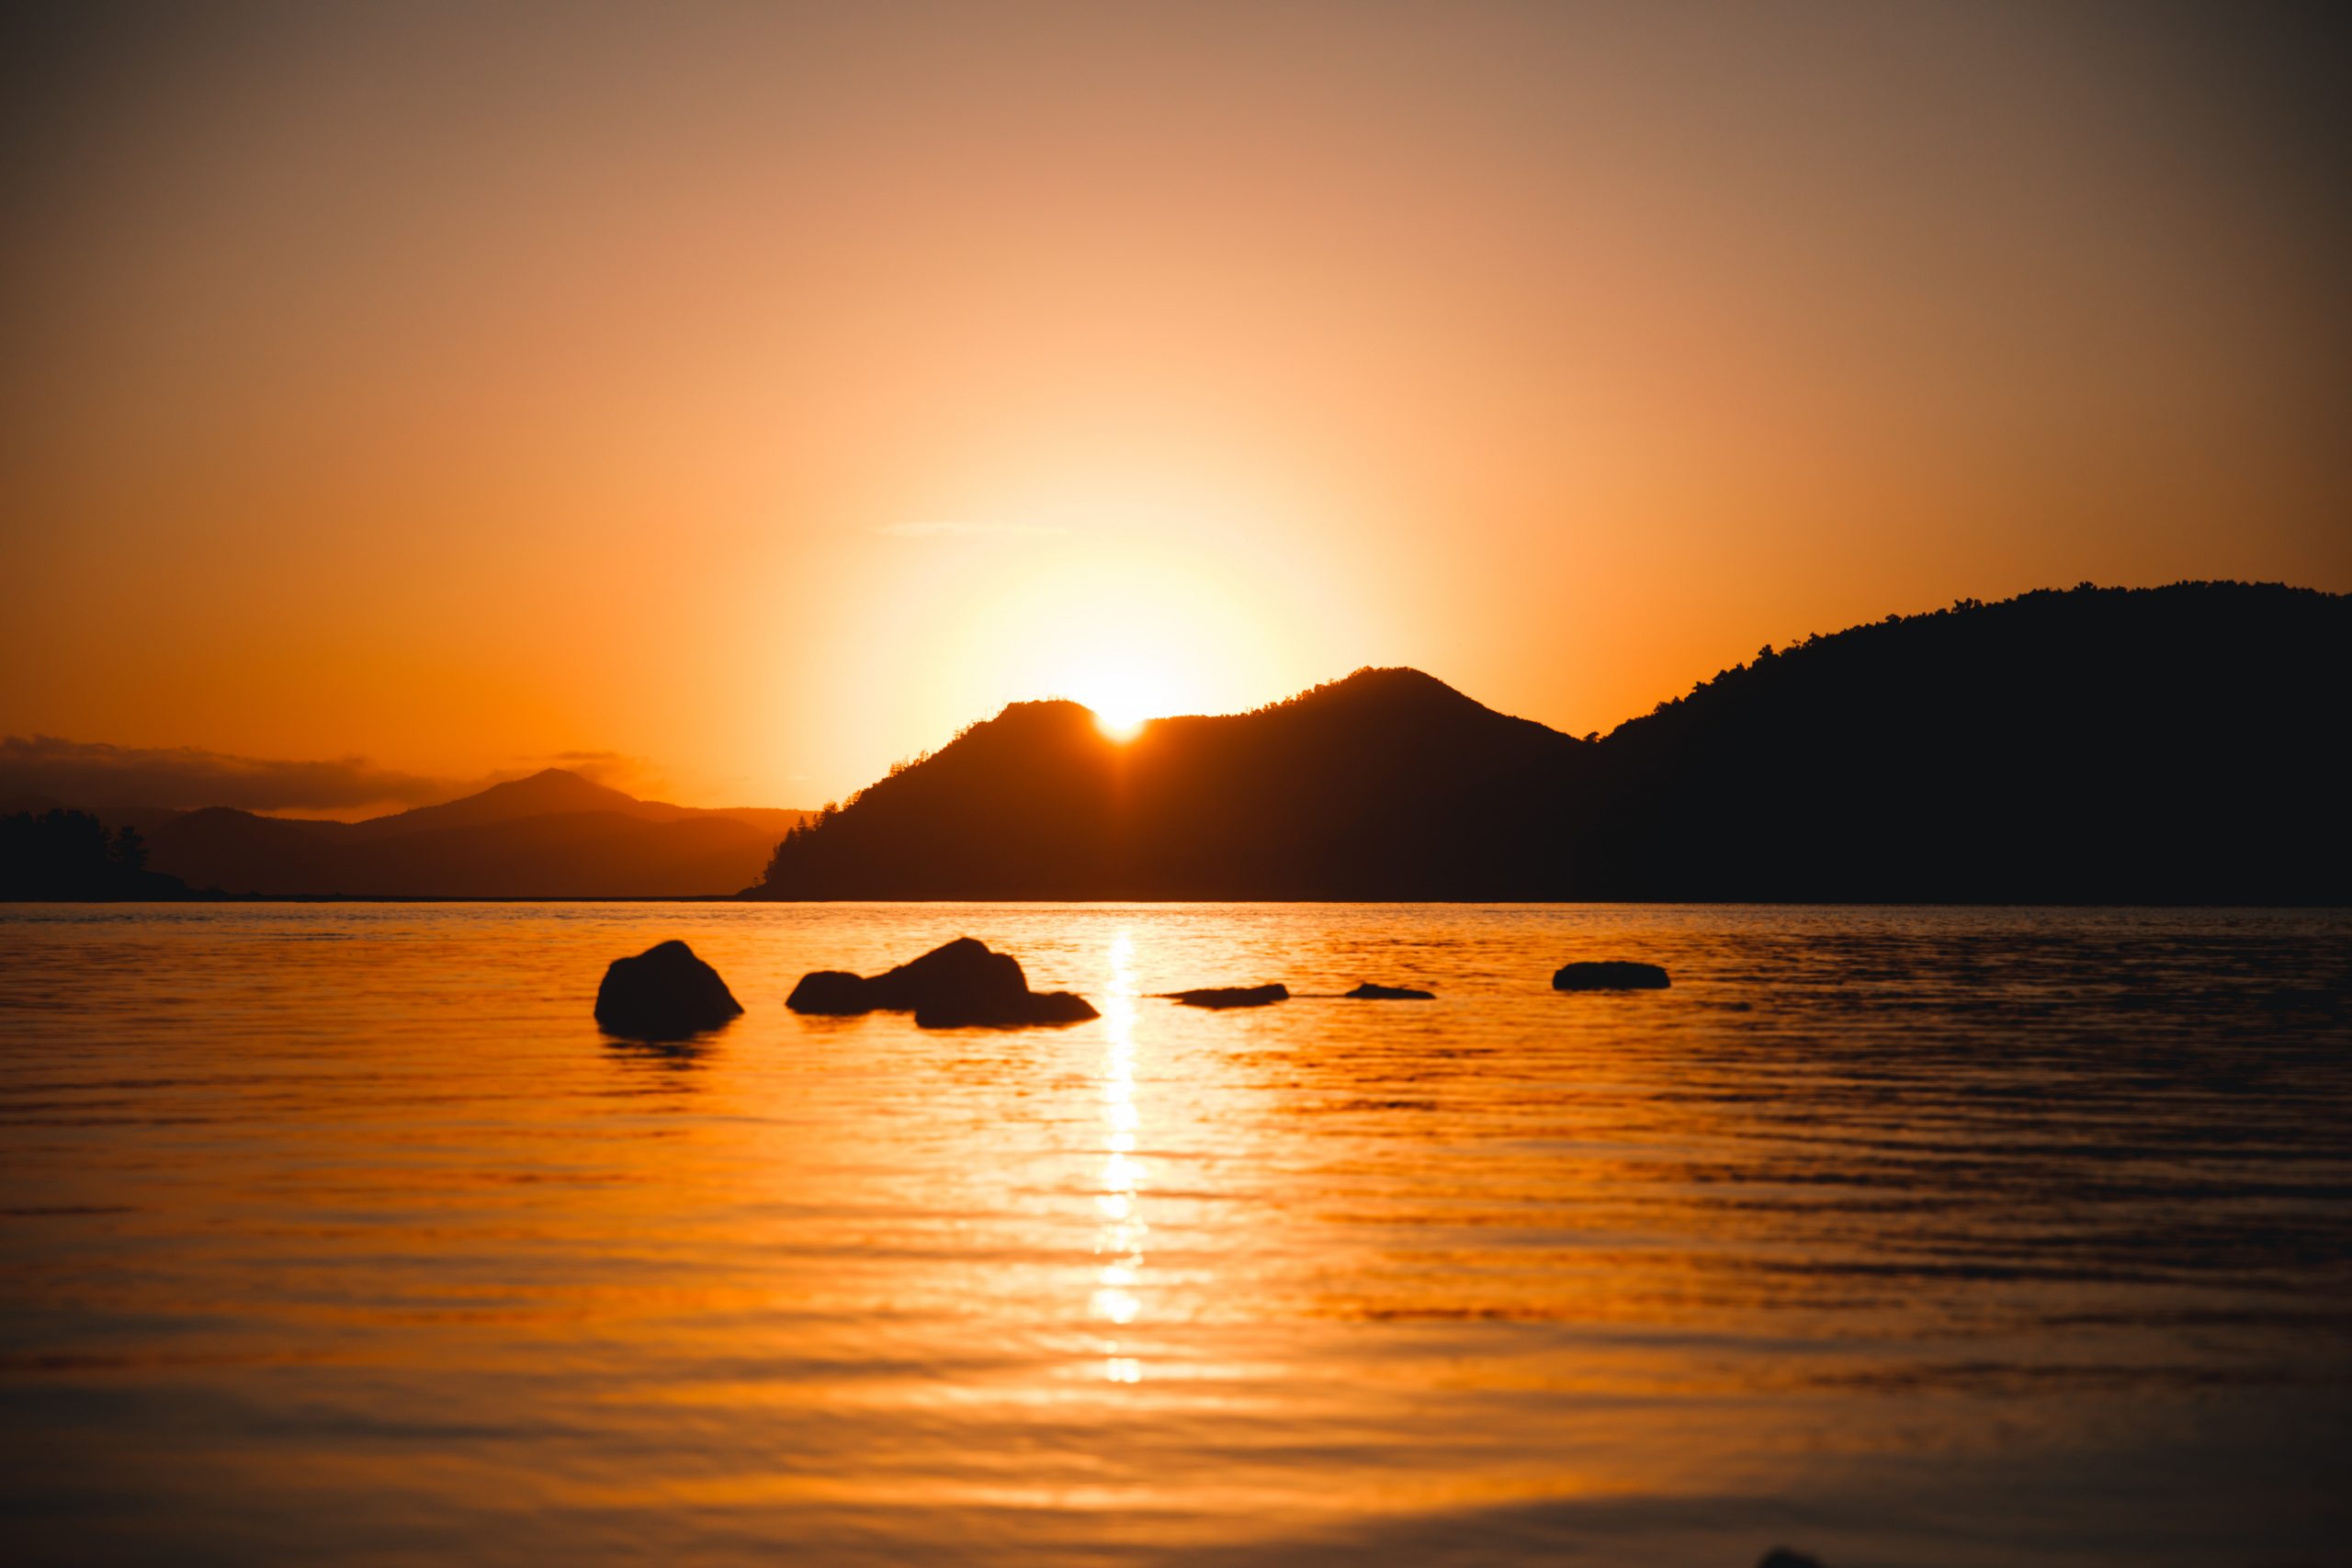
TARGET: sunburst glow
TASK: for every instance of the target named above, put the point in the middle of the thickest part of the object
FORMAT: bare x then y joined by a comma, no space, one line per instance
1124,693
1118,719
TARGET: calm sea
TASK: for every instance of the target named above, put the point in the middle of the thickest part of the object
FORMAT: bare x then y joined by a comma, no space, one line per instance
339,1233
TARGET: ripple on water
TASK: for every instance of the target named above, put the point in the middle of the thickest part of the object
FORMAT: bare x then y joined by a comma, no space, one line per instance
1917,1235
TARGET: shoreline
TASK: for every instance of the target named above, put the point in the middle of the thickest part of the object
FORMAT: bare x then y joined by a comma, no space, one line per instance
1052,901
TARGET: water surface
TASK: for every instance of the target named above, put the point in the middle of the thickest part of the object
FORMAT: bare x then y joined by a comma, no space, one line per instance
339,1233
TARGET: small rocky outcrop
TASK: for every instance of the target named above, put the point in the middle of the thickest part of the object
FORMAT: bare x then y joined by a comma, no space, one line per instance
1229,996
1612,975
832,991
1368,992
961,985
664,993
1788,1557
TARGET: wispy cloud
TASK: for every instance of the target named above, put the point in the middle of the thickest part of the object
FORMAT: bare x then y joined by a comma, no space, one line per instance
616,769
950,530
92,773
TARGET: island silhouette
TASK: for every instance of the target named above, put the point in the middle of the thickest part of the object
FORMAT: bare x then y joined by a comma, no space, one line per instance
2166,745
554,834
2181,744
51,853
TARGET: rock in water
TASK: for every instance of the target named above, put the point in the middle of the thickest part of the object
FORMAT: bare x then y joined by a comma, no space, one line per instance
951,1011
664,993
830,991
964,981
1229,996
960,984
1368,992
1784,1557
1611,975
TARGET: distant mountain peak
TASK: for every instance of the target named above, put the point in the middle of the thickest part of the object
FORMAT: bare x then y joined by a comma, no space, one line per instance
549,789
549,833
1393,682
1044,716
1392,677
557,779
1045,709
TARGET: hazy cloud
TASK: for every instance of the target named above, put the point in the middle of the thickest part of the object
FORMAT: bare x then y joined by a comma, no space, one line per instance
92,773
614,770
596,764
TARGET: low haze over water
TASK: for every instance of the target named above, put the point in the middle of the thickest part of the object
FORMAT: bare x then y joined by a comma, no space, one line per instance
1904,1236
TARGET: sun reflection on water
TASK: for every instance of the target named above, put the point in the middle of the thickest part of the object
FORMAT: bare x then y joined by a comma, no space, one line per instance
1119,1242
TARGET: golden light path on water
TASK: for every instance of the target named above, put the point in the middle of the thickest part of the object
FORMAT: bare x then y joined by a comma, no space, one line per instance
1120,1245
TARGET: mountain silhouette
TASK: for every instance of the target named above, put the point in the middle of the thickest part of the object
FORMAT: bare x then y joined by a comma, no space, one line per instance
548,793
554,834
2179,744
1354,790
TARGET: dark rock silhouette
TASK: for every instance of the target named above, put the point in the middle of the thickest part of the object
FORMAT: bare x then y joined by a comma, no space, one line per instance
1043,1008
962,983
2168,745
1229,996
1785,1557
835,991
1610,974
1368,992
664,993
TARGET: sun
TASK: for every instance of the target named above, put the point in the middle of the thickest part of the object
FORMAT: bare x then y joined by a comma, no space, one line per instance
1123,695
1118,720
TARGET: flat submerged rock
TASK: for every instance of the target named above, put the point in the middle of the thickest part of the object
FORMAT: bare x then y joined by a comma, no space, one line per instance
1610,974
1229,996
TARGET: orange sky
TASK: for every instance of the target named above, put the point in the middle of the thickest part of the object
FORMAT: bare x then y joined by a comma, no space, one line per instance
763,393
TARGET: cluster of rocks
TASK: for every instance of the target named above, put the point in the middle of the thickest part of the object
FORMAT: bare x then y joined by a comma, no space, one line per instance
1607,975
666,993
958,986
